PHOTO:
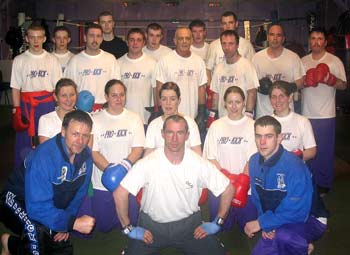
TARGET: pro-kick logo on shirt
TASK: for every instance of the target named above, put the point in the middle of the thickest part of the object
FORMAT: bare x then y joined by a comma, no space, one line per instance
280,181
228,79
275,77
38,73
115,133
87,72
64,171
230,140
286,136
129,75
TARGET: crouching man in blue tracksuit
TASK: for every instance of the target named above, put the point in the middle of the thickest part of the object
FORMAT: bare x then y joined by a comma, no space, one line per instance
41,200
282,191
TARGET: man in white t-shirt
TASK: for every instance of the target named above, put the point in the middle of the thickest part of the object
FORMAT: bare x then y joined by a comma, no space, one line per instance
325,74
187,70
33,78
276,63
199,33
172,179
153,48
229,21
137,73
234,71
92,68
61,39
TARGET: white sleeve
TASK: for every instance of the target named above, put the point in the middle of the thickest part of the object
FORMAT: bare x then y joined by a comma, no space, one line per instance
298,70
116,70
211,56
43,127
16,78
308,135
150,136
203,79
252,79
135,178
160,72
194,137
139,133
213,179
214,85
210,149
56,72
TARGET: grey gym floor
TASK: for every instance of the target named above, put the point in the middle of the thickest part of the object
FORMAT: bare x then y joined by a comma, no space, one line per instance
335,241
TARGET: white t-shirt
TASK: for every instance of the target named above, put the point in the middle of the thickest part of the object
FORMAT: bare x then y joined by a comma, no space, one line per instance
63,58
231,143
154,137
49,125
202,52
216,54
138,77
287,67
114,137
93,72
171,192
297,132
241,74
32,72
158,53
319,102
188,73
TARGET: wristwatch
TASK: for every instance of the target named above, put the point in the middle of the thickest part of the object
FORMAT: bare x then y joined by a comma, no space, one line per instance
127,229
220,221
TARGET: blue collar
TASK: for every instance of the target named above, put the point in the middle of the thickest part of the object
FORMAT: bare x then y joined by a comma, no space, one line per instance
273,159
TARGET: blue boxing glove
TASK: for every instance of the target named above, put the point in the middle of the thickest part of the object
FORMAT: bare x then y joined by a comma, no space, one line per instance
213,227
85,101
114,174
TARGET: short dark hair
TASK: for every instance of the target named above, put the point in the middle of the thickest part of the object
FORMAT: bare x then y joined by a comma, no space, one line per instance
65,82
228,14
154,26
268,120
35,27
61,28
321,30
77,115
104,13
136,30
175,118
92,25
170,86
230,33
196,23
234,89
279,25
113,82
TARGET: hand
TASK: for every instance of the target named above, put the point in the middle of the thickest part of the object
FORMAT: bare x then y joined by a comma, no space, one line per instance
241,184
269,235
142,234
85,101
19,122
298,153
310,79
61,236
324,75
84,224
207,228
251,228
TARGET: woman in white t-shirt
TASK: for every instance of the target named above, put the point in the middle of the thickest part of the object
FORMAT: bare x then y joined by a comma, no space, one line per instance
118,135
228,145
65,96
297,133
170,98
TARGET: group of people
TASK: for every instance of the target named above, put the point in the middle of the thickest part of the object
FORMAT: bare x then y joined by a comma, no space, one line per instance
146,168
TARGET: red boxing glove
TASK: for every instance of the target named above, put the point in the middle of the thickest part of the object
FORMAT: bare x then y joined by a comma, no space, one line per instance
139,196
324,75
213,115
310,79
203,198
298,153
231,177
19,122
241,185
210,94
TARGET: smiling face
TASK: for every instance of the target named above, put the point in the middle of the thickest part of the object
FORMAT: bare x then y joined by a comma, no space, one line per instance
234,104
280,101
76,136
66,98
